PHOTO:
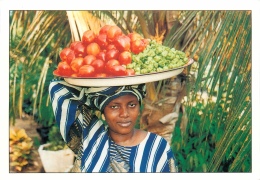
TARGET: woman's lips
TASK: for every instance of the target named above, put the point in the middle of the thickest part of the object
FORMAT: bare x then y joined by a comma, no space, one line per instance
124,124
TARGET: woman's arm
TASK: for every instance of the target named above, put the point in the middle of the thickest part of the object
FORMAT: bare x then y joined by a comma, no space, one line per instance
66,102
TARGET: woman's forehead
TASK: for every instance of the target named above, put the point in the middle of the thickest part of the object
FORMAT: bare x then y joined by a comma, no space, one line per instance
124,98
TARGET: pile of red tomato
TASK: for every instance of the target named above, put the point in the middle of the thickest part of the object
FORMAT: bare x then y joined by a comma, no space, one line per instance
105,54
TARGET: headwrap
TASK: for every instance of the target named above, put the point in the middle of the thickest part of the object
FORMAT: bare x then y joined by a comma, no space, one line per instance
99,97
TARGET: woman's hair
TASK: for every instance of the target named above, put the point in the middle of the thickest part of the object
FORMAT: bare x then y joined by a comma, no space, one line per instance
101,96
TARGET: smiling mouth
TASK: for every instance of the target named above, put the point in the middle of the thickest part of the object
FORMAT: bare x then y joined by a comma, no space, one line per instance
124,124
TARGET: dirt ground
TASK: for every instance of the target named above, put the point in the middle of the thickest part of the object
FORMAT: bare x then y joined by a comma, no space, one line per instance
30,126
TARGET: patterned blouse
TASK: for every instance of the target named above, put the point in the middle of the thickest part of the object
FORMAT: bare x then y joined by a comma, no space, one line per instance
95,151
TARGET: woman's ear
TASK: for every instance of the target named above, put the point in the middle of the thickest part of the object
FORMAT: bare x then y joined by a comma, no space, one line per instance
103,116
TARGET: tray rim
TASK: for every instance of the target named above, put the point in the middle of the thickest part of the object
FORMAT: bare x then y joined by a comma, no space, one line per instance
125,80
191,61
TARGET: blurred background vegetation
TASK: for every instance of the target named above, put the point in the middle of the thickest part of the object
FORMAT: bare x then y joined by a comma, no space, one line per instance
212,130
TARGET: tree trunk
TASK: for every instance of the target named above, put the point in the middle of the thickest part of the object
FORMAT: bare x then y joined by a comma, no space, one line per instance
162,108
161,114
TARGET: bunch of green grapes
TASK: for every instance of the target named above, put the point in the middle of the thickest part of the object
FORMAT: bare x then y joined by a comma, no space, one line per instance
157,58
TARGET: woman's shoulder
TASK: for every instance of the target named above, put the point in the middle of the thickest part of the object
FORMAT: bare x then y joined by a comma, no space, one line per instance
158,138
149,135
156,135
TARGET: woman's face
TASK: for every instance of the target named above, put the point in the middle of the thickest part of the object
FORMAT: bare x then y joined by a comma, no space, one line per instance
121,114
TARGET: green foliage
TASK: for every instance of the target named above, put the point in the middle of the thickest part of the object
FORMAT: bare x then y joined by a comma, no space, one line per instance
55,140
196,148
34,52
218,134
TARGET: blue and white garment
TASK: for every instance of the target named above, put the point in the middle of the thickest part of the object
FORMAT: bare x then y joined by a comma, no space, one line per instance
95,150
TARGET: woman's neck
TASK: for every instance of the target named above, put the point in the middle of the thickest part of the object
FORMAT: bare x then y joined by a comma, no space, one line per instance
133,138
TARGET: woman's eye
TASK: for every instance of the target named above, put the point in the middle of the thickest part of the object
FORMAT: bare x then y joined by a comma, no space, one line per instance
132,105
114,106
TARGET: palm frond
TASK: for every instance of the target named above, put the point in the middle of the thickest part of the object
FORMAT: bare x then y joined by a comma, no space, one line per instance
32,33
81,21
223,43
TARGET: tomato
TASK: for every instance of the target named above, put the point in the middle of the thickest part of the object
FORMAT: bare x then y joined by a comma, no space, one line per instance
70,57
86,71
137,46
125,57
109,64
104,29
88,59
64,53
101,40
74,75
112,54
76,64
79,50
112,62
118,70
93,49
134,36
113,32
64,69
88,37
101,75
101,55
130,72
56,72
99,65
146,42
73,44
110,46
122,43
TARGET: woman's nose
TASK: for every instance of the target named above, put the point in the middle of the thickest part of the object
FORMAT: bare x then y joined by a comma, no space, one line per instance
124,112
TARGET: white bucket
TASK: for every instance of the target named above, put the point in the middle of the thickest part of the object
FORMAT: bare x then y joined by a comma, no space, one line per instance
56,161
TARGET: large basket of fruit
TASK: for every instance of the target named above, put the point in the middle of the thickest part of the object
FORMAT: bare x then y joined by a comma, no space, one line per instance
111,58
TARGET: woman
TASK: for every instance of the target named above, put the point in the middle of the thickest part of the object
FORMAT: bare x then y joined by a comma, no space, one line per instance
111,143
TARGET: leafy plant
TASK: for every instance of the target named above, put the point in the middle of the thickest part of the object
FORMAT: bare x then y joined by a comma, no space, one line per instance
196,149
21,149
55,140
34,46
